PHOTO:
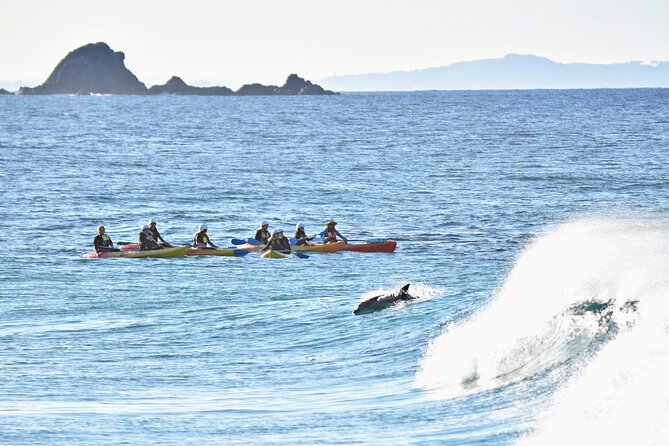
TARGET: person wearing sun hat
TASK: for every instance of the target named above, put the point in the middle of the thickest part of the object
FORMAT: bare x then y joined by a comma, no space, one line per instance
146,240
201,238
262,233
330,233
277,242
300,236
156,235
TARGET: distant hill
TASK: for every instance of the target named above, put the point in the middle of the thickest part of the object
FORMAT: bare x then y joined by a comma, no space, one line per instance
510,72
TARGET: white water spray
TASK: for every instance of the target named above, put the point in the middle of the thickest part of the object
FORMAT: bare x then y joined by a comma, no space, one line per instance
619,396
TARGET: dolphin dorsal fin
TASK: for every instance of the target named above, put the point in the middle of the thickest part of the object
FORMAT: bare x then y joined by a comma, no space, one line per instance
405,288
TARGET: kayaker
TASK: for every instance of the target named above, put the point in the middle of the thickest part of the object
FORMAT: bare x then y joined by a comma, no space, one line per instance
262,233
156,235
146,241
301,236
330,233
201,238
277,242
102,242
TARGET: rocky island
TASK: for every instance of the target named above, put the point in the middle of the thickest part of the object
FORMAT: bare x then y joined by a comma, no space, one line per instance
97,69
3,91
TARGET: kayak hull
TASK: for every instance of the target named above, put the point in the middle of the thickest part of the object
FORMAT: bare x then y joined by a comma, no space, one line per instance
384,246
271,254
250,247
227,252
320,247
177,251
129,247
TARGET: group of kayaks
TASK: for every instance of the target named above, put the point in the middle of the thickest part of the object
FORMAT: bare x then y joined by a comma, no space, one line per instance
242,248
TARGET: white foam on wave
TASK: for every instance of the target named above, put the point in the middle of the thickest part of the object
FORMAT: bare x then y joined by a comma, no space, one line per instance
619,395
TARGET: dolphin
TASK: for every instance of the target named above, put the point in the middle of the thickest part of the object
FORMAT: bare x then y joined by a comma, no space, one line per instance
384,300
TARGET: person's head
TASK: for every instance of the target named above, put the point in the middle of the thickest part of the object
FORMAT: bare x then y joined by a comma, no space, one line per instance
203,227
101,229
276,233
299,227
264,224
145,228
331,223
152,223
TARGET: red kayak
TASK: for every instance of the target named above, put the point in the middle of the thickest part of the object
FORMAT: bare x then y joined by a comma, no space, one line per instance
384,246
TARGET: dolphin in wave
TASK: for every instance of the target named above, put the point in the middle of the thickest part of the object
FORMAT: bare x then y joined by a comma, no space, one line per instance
384,300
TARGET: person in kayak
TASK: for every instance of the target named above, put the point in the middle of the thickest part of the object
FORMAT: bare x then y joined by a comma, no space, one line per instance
277,242
102,242
156,235
146,240
201,238
262,233
330,233
301,236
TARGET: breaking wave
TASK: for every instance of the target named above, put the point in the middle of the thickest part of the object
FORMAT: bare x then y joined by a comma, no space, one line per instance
586,304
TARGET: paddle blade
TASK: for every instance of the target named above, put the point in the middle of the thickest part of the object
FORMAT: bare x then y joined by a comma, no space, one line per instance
252,241
238,241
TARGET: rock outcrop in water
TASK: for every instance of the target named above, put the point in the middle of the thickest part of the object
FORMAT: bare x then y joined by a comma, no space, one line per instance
294,85
97,69
93,68
175,85
256,90
3,91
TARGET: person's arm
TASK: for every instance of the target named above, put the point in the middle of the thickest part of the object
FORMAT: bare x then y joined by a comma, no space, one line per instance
111,243
258,235
341,236
212,244
267,245
96,242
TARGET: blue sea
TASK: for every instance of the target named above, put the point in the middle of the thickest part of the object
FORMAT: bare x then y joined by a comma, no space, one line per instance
533,226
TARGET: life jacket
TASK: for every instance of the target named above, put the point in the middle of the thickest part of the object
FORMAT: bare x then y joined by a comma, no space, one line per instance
331,234
264,235
146,241
275,243
201,237
105,240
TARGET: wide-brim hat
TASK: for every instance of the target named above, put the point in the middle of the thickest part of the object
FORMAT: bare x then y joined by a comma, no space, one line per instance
330,222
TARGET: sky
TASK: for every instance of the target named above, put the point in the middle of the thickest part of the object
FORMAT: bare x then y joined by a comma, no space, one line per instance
235,42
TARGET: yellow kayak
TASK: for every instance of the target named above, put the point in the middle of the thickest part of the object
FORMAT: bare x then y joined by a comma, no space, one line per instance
176,251
271,254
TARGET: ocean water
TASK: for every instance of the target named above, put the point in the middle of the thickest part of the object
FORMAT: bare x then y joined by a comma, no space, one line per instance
533,225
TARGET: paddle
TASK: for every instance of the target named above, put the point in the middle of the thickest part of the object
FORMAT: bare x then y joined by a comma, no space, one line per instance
295,253
316,238
250,241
